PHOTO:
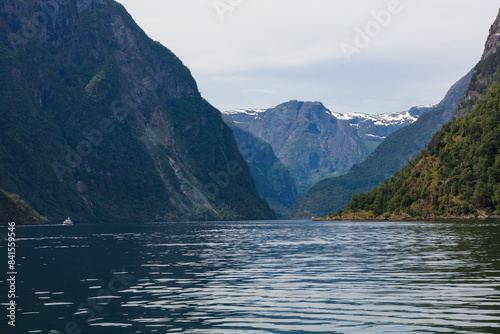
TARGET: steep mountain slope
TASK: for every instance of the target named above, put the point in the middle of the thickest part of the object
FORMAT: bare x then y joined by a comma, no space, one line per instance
101,123
459,173
314,143
272,179
331,194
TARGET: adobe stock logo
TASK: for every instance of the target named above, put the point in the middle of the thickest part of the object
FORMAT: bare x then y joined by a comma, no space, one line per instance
37,22
222,7
222,179
363,38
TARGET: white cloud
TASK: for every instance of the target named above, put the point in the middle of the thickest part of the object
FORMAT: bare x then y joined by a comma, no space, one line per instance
267,50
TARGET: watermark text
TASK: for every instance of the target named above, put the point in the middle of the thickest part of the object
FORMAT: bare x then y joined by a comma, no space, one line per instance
11,274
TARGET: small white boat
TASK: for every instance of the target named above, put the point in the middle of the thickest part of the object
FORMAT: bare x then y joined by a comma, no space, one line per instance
68,222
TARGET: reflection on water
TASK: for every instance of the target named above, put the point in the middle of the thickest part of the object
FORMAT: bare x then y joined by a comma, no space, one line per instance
260,277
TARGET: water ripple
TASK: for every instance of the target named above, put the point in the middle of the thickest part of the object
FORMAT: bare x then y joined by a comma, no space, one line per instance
268,277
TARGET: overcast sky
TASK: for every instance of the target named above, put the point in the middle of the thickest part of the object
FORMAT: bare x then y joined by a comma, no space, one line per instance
260,53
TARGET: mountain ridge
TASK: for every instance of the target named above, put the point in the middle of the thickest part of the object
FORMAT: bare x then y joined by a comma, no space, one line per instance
356,119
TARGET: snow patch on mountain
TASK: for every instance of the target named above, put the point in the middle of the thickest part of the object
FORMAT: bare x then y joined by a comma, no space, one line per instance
354,118
253,112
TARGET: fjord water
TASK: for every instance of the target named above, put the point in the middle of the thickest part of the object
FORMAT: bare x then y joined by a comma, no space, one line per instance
259,277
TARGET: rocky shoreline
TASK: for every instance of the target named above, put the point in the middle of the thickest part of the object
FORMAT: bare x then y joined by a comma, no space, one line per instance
363,216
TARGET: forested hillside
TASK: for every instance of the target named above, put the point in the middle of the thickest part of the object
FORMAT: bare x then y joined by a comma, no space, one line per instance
457,176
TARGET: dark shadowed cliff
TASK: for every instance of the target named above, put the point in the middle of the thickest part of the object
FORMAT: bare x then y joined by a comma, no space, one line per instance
99,122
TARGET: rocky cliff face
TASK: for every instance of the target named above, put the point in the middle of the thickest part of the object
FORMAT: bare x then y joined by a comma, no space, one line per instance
314,143
102,123
493,41
485,74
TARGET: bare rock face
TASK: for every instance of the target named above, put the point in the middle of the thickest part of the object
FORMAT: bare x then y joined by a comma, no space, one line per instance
493,41
484,74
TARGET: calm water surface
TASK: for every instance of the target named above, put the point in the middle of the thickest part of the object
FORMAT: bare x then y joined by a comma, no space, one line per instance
258,277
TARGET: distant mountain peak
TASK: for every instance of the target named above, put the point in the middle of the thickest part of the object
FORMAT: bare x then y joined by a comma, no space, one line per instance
250,111
296,105
315,143
406,117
